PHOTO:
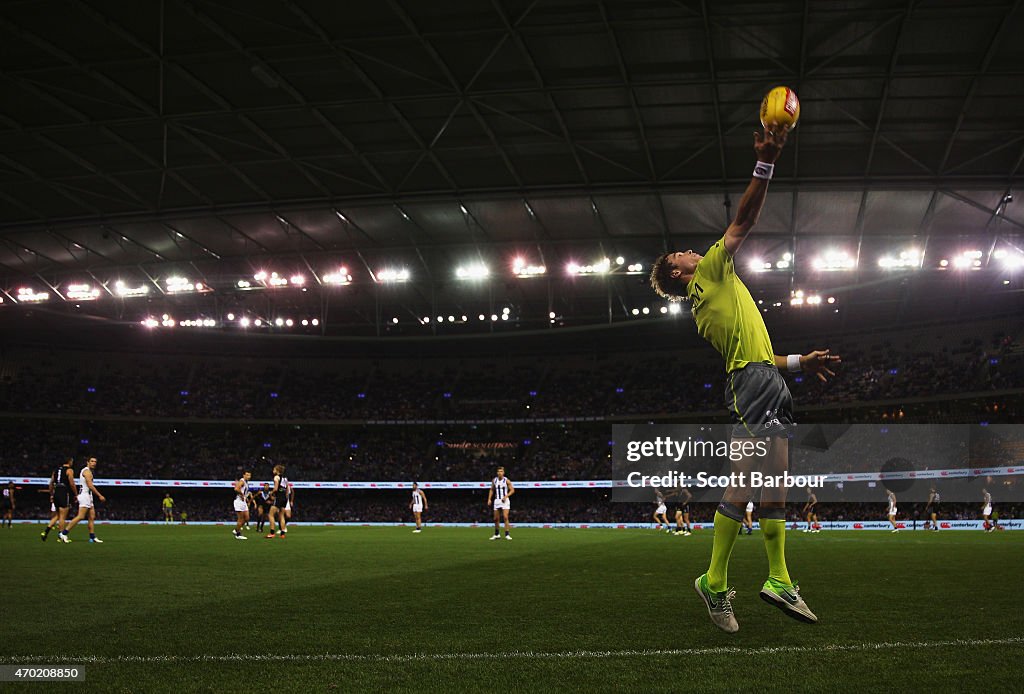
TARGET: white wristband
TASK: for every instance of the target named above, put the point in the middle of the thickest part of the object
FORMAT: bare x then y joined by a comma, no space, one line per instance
793,363
764,170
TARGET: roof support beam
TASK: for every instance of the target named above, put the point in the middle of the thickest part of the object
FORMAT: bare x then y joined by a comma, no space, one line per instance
990,53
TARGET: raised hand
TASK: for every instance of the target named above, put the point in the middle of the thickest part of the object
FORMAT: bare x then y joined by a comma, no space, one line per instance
769,144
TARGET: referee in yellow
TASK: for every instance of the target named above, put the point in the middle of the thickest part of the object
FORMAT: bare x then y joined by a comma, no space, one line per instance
168,505
756,394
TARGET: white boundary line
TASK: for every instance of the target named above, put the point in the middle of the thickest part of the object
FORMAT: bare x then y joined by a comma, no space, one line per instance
557,655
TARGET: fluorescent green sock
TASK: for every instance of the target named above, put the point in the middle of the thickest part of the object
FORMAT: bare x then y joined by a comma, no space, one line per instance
774,532
726,532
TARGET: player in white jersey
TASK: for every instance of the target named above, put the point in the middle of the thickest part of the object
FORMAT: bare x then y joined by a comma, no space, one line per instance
986,510
660,514
932,507
891,513
748,518
501,491
418,504
87,495
241,504
291,502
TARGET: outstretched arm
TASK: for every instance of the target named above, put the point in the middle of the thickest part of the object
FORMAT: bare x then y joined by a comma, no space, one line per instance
768,148
816,362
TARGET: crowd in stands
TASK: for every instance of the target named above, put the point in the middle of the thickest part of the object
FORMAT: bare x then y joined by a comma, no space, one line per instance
171,417
158,450
559,387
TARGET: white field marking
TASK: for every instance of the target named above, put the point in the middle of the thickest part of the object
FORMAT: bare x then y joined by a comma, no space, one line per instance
557,655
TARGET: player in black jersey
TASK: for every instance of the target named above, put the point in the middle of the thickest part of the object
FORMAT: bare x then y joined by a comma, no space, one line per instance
280,492
683,512
62,490
263,500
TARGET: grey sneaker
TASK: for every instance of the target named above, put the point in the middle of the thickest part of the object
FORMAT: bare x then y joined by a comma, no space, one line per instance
787,598
719,605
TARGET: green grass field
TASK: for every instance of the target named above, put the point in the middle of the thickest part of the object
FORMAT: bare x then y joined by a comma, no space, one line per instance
190,609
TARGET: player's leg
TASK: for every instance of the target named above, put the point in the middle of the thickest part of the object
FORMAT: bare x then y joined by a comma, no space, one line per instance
508,527
780,589
79,517
712,586
92,526
271,513
497,524
728,522
53,522
772,514
282,522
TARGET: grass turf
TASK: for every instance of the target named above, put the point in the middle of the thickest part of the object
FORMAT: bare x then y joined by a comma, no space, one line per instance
617,595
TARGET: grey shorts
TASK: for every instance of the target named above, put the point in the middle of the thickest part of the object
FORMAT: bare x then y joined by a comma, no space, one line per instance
759,401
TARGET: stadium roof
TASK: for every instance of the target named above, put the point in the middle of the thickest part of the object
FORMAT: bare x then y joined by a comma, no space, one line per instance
141,141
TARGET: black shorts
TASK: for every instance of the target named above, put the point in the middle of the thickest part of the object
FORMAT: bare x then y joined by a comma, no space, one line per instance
759,401
281,503
61,497
5,504
684,509
934,509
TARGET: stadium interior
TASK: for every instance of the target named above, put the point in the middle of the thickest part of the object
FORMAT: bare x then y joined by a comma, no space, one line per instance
395,242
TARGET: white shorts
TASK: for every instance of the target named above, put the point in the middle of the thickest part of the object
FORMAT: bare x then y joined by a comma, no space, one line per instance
85,500
53,509
288,506
662,510
417,508
987,511
750,507
893,511
502,504
240,506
